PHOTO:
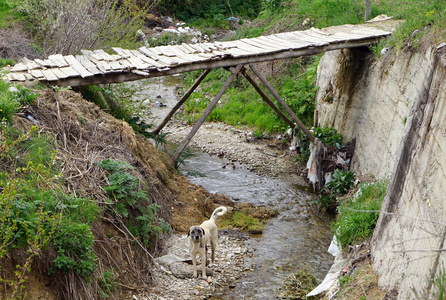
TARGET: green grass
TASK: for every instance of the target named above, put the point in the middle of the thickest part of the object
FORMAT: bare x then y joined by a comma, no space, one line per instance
6,14
242,105
355,222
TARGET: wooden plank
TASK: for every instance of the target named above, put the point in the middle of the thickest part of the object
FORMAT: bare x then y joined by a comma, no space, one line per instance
139,72
154,64
138,63
88,64
59,73
182,48
75,64
104,55
43,63
149,53
223,45
36,74
253,50
121,52
19,67
275,41
119,65
165,50
312,41
58,59
69,71
189,48
49,75
16,76
258,43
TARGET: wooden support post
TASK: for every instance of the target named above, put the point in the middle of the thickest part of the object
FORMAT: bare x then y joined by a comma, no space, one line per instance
181,102
206,113
280,100
267,100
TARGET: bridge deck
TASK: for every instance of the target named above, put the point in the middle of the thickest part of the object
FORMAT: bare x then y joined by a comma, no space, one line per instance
99,67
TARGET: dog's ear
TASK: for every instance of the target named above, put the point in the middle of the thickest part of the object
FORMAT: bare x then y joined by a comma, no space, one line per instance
188,233
202,230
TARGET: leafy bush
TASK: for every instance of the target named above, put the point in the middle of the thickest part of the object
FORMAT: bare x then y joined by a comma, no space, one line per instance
327,135
358,214
341,182
127,197
74,245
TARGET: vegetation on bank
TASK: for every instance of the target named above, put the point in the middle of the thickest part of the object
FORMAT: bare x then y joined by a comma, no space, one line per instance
39,218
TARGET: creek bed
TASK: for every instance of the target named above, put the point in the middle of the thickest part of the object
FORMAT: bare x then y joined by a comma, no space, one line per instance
297,238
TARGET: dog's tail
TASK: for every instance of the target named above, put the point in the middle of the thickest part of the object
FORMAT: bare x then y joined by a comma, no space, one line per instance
219,211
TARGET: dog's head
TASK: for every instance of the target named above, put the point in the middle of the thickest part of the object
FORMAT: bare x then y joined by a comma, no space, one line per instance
196,233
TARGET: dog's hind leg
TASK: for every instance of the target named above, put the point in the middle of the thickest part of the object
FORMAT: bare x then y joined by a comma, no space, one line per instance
213,246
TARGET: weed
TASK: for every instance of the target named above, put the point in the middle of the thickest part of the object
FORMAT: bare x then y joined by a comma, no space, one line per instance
358,214
108,284
343,281
5,62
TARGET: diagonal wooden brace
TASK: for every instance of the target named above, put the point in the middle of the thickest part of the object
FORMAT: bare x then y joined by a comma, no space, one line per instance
267,99
283,104
206,113
181,102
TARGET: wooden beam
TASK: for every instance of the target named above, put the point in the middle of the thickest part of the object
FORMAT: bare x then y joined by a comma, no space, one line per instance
181,102
266,99
206,113
283,104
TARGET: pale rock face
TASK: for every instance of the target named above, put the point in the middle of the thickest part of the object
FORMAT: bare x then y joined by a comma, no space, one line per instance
396,109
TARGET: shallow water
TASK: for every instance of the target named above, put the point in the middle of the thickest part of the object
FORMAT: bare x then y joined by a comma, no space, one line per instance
298,238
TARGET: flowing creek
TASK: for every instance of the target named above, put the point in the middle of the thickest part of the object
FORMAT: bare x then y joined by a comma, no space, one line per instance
297,238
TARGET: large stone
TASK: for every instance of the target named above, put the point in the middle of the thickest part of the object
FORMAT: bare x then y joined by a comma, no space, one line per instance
184,270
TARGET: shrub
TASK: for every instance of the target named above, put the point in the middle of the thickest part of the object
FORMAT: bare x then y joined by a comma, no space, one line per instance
341,182
74,245
127,196
85,24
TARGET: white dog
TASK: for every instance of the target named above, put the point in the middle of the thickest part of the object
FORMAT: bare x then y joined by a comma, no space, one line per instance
200,236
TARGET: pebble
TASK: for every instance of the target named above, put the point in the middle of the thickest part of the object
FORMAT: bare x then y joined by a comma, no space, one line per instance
230,265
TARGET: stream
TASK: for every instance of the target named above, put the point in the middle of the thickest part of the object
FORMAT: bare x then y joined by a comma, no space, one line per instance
297,238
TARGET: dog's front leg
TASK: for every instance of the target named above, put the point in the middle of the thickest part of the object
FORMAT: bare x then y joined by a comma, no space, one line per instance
203,264
194,262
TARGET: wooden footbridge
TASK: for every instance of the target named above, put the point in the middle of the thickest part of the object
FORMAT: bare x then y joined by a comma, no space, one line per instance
98,67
